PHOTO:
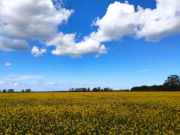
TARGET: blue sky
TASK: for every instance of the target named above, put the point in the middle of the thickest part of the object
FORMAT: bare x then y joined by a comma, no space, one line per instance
88,43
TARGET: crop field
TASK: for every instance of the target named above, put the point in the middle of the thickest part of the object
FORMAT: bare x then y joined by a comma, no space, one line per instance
109,113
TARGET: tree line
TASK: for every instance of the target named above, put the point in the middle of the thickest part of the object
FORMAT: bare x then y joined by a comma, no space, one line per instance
12,90
172,83
97,89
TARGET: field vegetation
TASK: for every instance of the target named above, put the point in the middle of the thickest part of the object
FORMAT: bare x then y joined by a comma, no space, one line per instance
90,113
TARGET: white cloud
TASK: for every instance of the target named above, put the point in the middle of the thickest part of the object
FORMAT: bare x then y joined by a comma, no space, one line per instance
66,45
14,77
7,44
22,20
117,22
82,83
36,52
51,84
121,20
2,82
16,84
7,64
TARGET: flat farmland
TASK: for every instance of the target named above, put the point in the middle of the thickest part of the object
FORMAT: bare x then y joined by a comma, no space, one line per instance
90,113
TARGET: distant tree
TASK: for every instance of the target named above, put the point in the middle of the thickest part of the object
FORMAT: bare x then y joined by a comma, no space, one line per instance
172,80
88,89
10,90
84,89
107,89
71,90
28,90
124,90
148,88
172,83
95,89
4,90
22,90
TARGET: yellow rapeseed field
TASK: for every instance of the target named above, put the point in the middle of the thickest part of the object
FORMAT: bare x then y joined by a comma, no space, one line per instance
109,113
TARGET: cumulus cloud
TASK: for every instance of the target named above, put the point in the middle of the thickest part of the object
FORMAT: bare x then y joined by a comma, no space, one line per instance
121,20
28,20
7,44
66,45
36,52
7,64
2,82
